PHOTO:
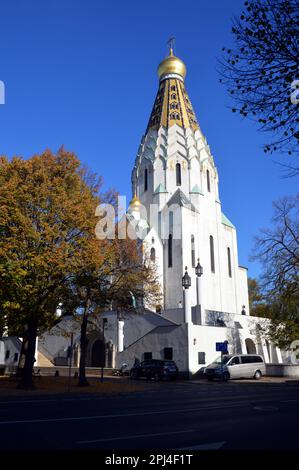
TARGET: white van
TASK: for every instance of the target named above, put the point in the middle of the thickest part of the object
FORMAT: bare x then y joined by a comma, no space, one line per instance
236,366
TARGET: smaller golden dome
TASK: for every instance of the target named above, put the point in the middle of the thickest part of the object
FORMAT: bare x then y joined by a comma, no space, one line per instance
135,203
172,64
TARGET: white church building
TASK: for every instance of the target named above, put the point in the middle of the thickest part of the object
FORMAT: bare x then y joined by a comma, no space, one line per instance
176,206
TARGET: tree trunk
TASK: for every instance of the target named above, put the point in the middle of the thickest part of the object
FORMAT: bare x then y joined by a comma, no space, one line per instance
83,382
29,353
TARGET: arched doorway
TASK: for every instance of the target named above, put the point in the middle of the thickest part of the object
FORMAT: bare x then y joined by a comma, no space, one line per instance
98,354
250,346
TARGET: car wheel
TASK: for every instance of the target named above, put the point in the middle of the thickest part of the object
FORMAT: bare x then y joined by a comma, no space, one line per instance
257,375
210,379
133,375
225,376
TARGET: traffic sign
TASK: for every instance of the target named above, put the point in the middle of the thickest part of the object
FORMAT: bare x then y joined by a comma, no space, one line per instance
222,347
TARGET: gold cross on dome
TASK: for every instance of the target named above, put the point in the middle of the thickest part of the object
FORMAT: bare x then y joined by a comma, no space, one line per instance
170,44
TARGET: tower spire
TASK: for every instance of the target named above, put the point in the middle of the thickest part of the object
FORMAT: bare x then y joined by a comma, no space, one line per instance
172,105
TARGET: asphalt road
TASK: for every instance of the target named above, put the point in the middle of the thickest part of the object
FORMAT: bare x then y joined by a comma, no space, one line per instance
177,416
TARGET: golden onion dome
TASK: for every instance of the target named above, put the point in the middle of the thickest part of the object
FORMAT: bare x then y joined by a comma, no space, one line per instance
172,64
135,203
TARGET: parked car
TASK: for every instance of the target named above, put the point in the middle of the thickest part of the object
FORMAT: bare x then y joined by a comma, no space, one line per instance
155,369
236,366
123,370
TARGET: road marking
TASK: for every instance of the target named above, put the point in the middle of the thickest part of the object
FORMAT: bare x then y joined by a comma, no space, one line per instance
210,446
49,400
124,415
136,436
266,408
288,401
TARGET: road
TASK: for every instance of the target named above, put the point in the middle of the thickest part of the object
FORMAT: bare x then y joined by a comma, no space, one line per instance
182,415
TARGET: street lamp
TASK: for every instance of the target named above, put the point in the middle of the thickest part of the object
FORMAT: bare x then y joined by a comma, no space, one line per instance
198,269
186,279
199,273
186,283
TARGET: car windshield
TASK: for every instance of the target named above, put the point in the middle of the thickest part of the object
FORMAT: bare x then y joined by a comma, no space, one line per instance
225,359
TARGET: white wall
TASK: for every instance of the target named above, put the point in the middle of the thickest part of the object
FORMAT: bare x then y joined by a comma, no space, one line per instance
171,337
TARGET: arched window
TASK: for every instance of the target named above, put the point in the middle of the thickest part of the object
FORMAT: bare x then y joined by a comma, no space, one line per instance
170,251
178,174
212,256
174,105
229,262
145,179
172,116
192,251
208,181
173,96
173,88
153,254
177,116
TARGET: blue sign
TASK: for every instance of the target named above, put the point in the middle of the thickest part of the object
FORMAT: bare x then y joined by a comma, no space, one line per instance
221,347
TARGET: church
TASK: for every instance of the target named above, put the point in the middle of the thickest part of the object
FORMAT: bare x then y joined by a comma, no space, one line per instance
176,211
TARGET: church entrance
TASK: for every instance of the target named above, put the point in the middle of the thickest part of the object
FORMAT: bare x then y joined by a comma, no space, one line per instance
98,354
250,346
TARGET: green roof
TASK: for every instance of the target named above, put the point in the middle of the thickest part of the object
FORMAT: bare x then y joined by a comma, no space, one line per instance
160,189
226,221
196,190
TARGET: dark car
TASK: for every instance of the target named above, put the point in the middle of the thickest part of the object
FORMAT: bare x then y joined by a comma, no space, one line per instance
123,370
155,369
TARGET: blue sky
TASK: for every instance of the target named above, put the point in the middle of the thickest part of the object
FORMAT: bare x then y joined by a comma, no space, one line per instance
83,73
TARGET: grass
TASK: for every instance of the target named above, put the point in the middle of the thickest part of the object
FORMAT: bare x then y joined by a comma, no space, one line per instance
46,384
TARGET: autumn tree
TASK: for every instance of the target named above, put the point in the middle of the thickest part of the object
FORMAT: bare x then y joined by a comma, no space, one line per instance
277,248
115,272
46,226
260,70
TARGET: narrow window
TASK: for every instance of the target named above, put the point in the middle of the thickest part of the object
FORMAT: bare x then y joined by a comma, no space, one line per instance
7,354
170,251
168,354
192,251
178,174
208,181
153,254
145,179
147,356
229,263
170,222
212,254
16,357
201,358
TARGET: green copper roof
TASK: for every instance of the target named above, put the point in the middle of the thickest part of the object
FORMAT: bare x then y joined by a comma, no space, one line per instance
160,189
226,221
196,190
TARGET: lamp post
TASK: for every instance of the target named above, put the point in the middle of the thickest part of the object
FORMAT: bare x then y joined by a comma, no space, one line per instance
104,349
199,273
186,283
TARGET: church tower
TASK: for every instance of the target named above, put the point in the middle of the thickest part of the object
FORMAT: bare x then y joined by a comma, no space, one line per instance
175,188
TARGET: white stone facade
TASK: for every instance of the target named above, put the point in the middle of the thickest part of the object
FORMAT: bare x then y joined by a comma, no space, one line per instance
197,214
